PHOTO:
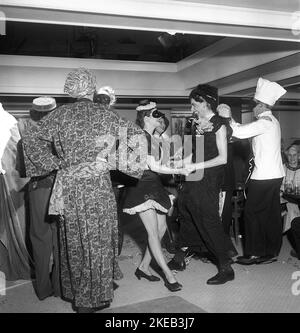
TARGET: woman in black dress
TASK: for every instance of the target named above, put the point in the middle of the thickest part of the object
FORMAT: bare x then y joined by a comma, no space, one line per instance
201,197
150,200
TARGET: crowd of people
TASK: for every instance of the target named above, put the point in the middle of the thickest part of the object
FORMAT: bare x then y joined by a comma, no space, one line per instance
69,151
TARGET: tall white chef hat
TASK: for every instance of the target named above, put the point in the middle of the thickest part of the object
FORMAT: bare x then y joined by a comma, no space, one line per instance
268,92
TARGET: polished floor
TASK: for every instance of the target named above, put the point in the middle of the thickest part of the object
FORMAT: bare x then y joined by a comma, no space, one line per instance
271,288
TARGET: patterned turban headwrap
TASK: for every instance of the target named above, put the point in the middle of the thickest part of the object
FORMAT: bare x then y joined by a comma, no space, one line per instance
80,82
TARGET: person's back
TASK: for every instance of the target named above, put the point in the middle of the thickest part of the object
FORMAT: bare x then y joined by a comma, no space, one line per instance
267,150
80,128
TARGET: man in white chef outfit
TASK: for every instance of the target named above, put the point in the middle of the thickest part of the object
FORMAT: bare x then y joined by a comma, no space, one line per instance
262,215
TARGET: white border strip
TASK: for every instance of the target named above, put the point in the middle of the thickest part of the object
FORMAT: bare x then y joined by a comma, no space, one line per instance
167,9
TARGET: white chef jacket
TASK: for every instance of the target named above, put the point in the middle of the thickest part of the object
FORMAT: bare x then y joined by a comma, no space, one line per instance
266,145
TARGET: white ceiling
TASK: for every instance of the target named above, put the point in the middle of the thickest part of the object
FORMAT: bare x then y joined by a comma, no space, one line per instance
277,5
263,45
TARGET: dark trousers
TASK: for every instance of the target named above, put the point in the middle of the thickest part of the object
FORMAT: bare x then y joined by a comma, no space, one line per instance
189,235
200,200
44,239
227,212
295,231
262,217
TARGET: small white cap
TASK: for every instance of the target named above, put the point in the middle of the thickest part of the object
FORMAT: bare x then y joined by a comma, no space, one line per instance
44,104
268,92
149,106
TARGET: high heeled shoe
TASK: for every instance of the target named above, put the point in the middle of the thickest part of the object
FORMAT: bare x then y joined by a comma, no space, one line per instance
175,286
139,274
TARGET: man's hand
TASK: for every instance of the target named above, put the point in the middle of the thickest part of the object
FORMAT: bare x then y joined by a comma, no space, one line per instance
186,170
190,167
224,110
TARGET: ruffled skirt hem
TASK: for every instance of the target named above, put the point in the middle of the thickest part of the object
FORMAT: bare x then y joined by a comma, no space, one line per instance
149,204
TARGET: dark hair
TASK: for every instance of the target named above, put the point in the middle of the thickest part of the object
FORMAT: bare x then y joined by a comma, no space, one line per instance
37,115
207,93
166,125
140,115
102,99
295,143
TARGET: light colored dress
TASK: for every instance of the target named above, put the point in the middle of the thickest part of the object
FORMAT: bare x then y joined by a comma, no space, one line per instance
292,176
14,257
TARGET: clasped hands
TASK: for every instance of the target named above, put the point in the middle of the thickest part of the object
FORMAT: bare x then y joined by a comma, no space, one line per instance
184,168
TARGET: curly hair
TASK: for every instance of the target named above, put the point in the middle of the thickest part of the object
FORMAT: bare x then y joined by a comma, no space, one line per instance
207,93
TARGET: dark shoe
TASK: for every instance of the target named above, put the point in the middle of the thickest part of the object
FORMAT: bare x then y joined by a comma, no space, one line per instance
224,275
176,265
175,286
139,274
178,261
266,260
171,248
294,254
246,260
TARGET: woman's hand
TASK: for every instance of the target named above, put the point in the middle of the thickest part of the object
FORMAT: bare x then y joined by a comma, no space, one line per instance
194,166
183,172
190,167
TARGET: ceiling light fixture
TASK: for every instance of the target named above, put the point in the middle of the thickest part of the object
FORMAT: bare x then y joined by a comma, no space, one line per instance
166,40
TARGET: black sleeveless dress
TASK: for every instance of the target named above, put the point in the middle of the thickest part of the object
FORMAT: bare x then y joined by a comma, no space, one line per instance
149,192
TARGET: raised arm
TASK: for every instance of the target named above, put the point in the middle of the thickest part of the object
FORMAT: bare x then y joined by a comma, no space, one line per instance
244,131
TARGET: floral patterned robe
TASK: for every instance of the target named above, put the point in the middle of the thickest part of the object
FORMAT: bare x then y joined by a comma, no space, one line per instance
81,134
